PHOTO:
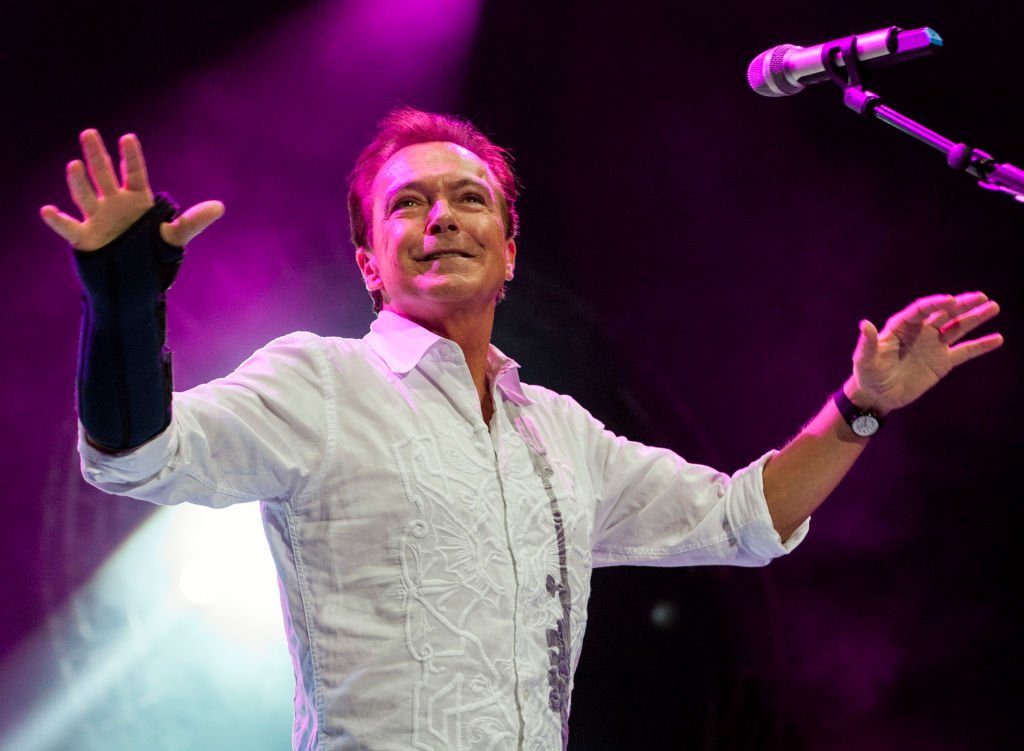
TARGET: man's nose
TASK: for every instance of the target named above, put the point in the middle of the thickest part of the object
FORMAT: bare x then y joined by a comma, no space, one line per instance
441,219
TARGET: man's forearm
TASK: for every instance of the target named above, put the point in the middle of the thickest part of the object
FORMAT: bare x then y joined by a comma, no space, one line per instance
124,378
802,475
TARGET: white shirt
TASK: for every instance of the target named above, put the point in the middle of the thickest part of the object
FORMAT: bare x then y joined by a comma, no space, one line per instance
434,570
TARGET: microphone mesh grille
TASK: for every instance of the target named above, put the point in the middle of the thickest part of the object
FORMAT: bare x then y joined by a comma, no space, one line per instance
770,79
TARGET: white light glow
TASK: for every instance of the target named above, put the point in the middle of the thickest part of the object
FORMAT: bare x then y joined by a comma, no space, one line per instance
224,570
189,601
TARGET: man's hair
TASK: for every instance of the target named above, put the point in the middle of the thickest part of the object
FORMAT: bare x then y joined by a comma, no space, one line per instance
405,127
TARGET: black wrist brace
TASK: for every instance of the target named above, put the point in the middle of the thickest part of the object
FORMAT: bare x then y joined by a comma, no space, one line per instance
124,369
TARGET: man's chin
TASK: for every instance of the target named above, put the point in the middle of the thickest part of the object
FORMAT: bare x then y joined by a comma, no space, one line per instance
446,292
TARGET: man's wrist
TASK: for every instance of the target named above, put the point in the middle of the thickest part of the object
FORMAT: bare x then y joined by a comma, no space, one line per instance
858,409
863,399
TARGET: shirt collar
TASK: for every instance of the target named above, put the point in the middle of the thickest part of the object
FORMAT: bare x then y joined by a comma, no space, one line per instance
398,341
402,344
504,373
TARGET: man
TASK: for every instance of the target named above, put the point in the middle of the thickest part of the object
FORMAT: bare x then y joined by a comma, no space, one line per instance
433,520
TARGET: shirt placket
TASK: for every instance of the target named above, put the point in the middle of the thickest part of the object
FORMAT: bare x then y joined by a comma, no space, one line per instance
466,402
501,445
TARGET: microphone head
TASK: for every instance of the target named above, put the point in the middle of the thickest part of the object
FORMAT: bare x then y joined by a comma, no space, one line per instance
766,73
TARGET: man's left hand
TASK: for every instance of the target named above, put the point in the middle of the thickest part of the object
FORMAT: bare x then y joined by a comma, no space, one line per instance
917,347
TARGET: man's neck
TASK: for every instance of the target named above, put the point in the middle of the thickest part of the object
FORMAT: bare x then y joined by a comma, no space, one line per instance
471,330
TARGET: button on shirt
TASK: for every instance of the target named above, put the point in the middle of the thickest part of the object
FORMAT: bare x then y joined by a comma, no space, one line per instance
435,570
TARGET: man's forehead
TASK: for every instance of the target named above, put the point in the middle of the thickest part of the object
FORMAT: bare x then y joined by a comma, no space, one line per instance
430,159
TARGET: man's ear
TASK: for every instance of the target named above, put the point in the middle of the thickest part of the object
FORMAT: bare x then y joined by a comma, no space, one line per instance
510,260
367,263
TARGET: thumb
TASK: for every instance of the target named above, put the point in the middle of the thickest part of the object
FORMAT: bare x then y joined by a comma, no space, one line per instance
193,221
867,342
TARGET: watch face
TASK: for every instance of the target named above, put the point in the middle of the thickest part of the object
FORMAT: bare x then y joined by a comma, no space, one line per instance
865,425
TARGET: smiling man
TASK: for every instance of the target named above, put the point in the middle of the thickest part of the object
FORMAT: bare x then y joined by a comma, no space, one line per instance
434,521
439,248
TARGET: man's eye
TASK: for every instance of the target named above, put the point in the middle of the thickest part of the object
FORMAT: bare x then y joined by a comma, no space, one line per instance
474,198
403,203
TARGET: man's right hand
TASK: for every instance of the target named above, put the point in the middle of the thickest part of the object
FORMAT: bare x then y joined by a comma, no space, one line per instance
108,207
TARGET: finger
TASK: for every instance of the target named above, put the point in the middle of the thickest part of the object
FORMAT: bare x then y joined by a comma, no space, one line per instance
964,324
975,348
133,166
65,226
81,189
183,229
938,319
101,169
951,305
967,300
919,310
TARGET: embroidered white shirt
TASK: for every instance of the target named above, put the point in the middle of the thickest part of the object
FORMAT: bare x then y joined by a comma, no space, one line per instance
434,570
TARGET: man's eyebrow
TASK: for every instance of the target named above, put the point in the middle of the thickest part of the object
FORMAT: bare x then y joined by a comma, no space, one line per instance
473,181
422,187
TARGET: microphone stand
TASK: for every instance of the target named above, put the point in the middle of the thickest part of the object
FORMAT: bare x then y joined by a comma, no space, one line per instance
959,156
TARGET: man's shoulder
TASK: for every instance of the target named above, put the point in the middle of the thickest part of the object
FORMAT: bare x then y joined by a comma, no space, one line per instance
303,351
298,341
552,401
559,417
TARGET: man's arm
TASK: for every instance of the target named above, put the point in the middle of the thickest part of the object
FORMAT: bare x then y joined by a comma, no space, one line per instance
917,347
127,248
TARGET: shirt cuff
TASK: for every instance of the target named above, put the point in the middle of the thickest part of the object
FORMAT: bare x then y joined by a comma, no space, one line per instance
125,467
753,520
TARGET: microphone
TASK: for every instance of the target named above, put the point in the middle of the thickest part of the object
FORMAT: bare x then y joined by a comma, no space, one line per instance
788,68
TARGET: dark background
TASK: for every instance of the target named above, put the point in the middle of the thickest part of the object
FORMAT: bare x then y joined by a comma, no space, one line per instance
693,263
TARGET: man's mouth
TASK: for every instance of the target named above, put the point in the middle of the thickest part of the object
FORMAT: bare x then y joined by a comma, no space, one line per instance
438,254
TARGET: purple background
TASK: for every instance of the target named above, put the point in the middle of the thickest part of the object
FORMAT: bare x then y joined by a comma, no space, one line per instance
692,266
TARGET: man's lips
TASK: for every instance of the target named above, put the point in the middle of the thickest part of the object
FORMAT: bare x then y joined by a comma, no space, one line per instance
446,253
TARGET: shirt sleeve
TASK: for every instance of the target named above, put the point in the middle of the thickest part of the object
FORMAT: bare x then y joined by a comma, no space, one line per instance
258,434
656,509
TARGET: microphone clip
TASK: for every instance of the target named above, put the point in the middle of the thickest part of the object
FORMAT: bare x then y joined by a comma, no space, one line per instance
850,76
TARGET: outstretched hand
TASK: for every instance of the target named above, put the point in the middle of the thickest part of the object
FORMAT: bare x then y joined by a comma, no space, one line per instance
110,207
917,347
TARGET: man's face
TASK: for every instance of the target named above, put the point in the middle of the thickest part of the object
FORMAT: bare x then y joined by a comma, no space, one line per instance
437,236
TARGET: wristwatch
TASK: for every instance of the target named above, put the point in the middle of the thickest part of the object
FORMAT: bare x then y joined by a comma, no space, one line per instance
863,422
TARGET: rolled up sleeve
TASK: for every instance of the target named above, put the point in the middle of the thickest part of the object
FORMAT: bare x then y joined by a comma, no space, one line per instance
657,509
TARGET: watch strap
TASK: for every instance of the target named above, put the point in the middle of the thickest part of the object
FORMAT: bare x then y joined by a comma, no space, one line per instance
853,415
